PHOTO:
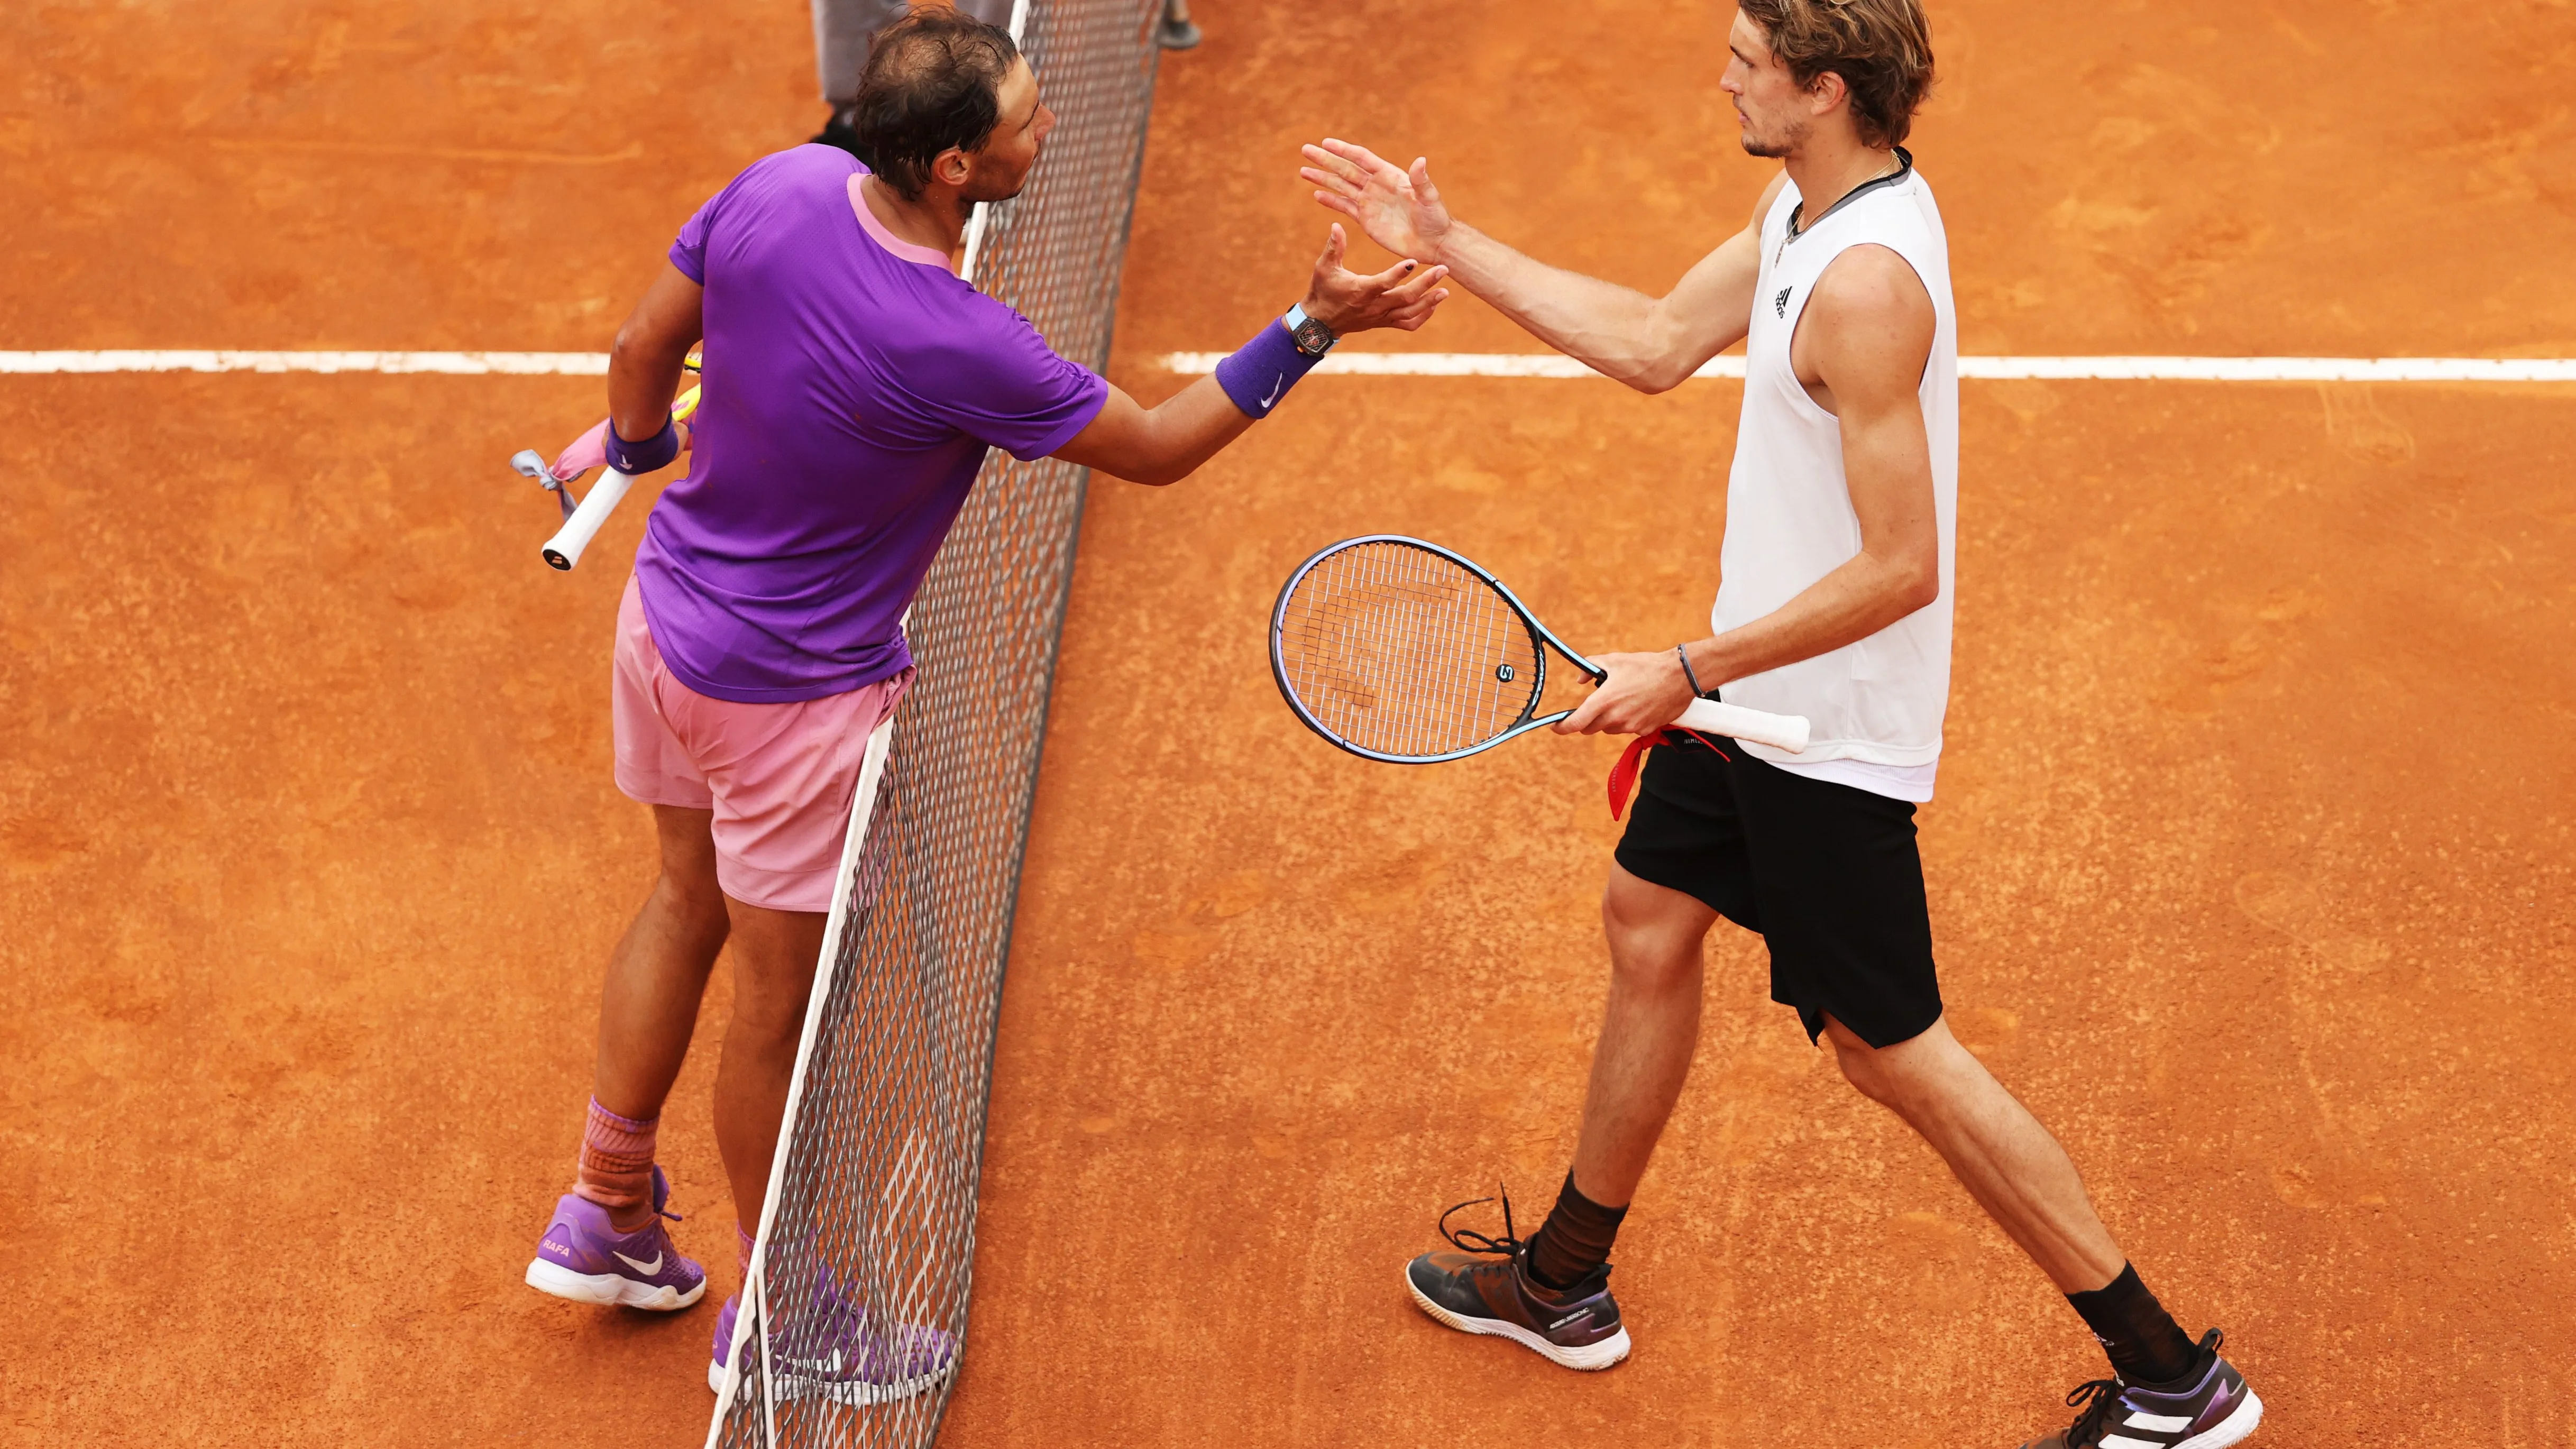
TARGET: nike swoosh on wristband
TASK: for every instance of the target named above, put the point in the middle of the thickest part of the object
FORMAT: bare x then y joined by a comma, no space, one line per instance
647,1269
1276,384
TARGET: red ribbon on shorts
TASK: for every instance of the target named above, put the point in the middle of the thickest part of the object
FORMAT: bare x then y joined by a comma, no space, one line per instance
1632,761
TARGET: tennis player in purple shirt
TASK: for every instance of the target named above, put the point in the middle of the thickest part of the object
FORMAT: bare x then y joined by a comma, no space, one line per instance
759,641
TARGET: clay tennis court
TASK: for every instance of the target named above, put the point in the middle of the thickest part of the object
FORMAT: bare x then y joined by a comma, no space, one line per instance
2250,867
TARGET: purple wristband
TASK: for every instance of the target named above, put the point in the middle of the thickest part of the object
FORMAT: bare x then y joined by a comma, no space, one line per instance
1258,374
632,459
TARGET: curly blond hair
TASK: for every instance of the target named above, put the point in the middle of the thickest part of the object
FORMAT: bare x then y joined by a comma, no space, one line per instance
1881,48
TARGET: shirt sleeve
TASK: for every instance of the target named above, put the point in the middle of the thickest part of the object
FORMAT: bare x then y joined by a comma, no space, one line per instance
1003,384
689,253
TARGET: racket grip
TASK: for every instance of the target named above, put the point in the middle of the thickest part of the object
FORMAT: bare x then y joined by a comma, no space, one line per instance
564,549
1779,731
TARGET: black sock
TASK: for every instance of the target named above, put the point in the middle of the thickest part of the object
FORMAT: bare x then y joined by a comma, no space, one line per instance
1575,1239
2145,1344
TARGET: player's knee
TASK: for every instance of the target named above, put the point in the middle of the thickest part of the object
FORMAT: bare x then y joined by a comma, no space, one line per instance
1654,942
1910,1077
767,1019
767,1003
1660,971
1866,1077
1865,1067
695,897
1648,958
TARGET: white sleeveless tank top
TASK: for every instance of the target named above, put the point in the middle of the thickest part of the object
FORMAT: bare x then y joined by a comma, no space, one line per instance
1875,704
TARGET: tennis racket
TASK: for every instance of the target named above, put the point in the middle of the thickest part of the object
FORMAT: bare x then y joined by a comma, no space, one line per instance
584,517
1399,650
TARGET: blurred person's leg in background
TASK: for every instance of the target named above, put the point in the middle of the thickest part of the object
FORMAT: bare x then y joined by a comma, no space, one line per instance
842,30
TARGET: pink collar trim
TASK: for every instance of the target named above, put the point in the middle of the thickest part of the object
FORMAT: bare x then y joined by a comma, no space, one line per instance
876,230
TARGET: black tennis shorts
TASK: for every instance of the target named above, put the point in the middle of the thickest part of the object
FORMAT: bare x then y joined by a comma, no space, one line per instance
1826,873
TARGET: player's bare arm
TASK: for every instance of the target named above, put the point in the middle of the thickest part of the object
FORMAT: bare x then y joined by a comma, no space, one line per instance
1859,351
1158,445
1649,343
644,362
1166,443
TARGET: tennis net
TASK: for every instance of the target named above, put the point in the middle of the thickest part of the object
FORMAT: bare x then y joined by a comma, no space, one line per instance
855,1317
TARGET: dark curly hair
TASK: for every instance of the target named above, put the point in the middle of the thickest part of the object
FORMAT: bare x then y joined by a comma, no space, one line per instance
933,82
1881,48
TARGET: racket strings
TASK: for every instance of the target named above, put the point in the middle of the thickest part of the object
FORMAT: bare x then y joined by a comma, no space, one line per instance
1402,651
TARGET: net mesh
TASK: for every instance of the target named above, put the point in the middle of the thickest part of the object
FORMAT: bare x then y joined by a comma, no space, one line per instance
869,1253
1395,649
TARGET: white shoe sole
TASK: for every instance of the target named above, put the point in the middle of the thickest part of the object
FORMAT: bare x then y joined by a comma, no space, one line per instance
2238,1424
793,1385
1591,1358
609,1289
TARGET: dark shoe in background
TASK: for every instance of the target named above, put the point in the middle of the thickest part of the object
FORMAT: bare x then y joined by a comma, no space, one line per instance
837,132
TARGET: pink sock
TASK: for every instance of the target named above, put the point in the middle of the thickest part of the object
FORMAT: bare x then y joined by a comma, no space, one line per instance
742,1253
616,1161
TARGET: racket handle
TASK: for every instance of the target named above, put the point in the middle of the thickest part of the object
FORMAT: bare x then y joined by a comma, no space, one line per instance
564,549
1779,731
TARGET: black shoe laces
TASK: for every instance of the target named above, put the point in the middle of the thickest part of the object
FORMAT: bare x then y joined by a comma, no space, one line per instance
2092,1403
1468,1240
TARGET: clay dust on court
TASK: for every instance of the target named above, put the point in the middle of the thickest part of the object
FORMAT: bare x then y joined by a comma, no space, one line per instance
2250,868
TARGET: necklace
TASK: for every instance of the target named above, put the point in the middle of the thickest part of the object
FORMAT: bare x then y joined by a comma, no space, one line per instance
1896,164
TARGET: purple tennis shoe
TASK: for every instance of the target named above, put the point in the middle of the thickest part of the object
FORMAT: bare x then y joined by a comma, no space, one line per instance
583,1258
852,1360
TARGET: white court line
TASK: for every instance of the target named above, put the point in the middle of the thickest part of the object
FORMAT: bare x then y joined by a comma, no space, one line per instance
2178,369
472,364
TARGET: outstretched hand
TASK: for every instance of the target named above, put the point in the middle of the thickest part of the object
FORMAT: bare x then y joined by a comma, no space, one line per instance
1401,296
1400,210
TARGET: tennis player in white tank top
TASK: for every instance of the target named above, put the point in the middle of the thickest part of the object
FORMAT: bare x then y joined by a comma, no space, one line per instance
1836,577
1875,703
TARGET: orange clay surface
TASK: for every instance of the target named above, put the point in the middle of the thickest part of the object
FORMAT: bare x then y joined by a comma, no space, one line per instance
2250,869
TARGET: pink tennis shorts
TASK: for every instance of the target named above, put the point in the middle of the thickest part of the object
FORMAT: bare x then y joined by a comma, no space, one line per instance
779,777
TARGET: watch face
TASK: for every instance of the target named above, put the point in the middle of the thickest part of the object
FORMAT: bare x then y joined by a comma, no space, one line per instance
1313,338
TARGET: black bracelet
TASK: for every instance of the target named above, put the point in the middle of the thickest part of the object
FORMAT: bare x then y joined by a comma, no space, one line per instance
1682,653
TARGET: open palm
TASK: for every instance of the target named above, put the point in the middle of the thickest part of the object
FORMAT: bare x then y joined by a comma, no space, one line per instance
1399,210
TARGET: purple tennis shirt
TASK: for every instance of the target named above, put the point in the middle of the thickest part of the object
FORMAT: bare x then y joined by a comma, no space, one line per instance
853,385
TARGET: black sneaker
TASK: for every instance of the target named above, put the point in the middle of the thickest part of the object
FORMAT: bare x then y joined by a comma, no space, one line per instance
838,132
1485,1287
2209,1408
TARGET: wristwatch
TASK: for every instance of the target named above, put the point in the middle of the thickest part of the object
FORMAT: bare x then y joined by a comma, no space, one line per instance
1314,339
